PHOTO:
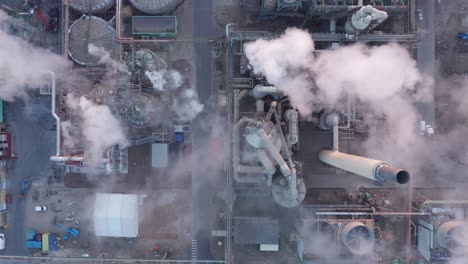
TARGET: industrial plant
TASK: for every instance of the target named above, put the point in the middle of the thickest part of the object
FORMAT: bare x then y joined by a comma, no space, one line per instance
224,131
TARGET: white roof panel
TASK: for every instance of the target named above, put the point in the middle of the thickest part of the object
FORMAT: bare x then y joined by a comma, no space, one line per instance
116,215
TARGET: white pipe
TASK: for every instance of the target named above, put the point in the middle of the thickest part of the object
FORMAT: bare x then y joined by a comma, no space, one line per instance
269,167
237,167
292,184
332,26
260,106
260,91
364,16
374,170
293,124
56,117
378,15
274,153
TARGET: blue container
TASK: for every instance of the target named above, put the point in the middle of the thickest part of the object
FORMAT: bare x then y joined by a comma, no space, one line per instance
34,244
30,234
179,137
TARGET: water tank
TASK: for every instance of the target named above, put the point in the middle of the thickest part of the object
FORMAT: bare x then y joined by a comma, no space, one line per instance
358,238
155,7
95,6
137,109
89,30
449,236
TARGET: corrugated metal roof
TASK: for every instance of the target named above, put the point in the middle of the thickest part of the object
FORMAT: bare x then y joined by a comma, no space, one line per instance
94,5
155,6
256,230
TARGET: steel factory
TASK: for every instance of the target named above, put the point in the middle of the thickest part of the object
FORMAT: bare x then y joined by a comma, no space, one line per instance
227,131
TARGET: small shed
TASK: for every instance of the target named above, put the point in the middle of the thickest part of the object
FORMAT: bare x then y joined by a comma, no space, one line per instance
116,215
159,155
261,231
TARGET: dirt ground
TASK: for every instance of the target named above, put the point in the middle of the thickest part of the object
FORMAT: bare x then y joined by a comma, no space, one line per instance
452,53
165,218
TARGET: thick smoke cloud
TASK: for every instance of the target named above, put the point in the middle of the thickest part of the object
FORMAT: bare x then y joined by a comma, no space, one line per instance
286,62
99,128
369,73
23,65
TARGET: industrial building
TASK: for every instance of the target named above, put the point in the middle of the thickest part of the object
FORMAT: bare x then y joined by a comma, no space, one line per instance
163,136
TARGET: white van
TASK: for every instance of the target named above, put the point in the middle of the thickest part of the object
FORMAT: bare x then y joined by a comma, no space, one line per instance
40,208
2,241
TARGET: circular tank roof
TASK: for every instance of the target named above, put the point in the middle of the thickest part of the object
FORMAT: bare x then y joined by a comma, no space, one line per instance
155,6
95,5
89,30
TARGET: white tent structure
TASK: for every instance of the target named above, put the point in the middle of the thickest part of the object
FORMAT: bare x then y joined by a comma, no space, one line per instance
116,215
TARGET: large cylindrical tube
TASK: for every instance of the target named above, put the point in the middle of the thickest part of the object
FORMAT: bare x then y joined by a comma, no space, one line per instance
358,238
450,236
375,170
260,91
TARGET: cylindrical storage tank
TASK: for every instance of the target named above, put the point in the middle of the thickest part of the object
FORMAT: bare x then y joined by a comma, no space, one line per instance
95,6
449,236
155,7
89,31
358,238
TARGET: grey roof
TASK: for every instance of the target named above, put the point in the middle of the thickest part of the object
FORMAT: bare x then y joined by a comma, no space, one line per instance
155,6
94,5
256,230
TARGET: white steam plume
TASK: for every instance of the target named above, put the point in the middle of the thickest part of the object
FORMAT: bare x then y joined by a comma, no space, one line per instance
99,127
369,73
23,65
285,62
186,105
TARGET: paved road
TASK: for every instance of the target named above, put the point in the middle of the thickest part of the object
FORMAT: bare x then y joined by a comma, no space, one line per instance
34,142
426,54
203,187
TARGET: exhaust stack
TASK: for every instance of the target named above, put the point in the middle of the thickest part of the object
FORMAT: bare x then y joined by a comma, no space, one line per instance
377,171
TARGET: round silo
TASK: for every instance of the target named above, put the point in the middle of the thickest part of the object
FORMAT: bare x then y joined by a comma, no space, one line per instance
89,31
155,6
94,6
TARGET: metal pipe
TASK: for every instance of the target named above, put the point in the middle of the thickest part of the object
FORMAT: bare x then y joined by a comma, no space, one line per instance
369,213
333,26
443,203
271,110
268,166
260,91
274,153
56,117
374,170
260,104
293,126
237,168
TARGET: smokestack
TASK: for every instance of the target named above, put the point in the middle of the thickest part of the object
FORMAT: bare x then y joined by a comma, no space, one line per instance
377,171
